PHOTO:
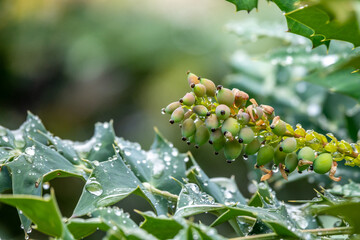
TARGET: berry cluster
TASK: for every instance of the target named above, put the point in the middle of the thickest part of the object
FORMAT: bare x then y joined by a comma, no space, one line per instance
228,120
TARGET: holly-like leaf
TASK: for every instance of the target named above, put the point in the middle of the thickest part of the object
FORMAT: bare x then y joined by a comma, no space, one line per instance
246,5
44,212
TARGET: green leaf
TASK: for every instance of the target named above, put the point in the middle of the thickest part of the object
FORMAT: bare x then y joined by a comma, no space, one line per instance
351,190
33,129
103,219
161,227
36,165
348,210
5,179
247,5
110,182
157,165
331,18
44,212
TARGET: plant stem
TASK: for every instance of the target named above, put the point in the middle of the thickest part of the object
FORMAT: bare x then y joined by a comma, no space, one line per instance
165,194
317,232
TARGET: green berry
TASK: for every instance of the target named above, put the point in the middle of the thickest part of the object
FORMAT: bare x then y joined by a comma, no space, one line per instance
188,128
200,90
202,135
188,99
222,112
323,163
171,107
291,162
243,117
200,110
289,145
217,139
212,122
192,79
231,125
210,86
279,128
306,153
232,149
279,156
246,135
177,115
225,96
253,147
265,155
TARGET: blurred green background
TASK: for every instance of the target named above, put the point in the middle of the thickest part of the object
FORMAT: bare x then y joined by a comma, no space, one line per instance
76,62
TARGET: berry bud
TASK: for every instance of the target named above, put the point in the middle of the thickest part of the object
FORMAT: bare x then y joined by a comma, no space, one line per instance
265,155
243,117
212,122
246,135
291,161
289,145
322,164
232,149
308,154
218,140
202,135
225,96
279,156
278,126
188,128
200,110
210,86
240,97
222,112
188,114
230,125
192,78
200,90
253,147
178,115
258,112
171,107
188,99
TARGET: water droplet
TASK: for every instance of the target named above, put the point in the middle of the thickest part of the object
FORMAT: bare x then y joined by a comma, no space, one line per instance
158,169
29,230
275,168
30,151
96,163
5,138
94,187
97,146
127,153
186,159
46,185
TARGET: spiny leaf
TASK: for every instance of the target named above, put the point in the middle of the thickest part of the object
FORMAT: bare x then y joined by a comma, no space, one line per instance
247,5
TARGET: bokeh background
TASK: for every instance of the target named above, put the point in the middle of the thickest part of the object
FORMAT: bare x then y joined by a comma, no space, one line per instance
76,62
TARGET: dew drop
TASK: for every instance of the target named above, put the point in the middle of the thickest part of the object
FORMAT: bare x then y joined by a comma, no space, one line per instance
30,151
46,186
96,163
94,187
275,168
127,153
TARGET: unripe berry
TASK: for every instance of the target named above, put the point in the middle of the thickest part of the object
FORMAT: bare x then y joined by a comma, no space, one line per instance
222,112
210,86
177,115
279,156
188,99
188,128
291,162
188,114
171,107
265,155
243,117
232,149
202,135
322,164
192,78
246,135
308,154
289,145
200,110
225,96
240,97
212,122
218,140
278,126
230,125
253,147
200,90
